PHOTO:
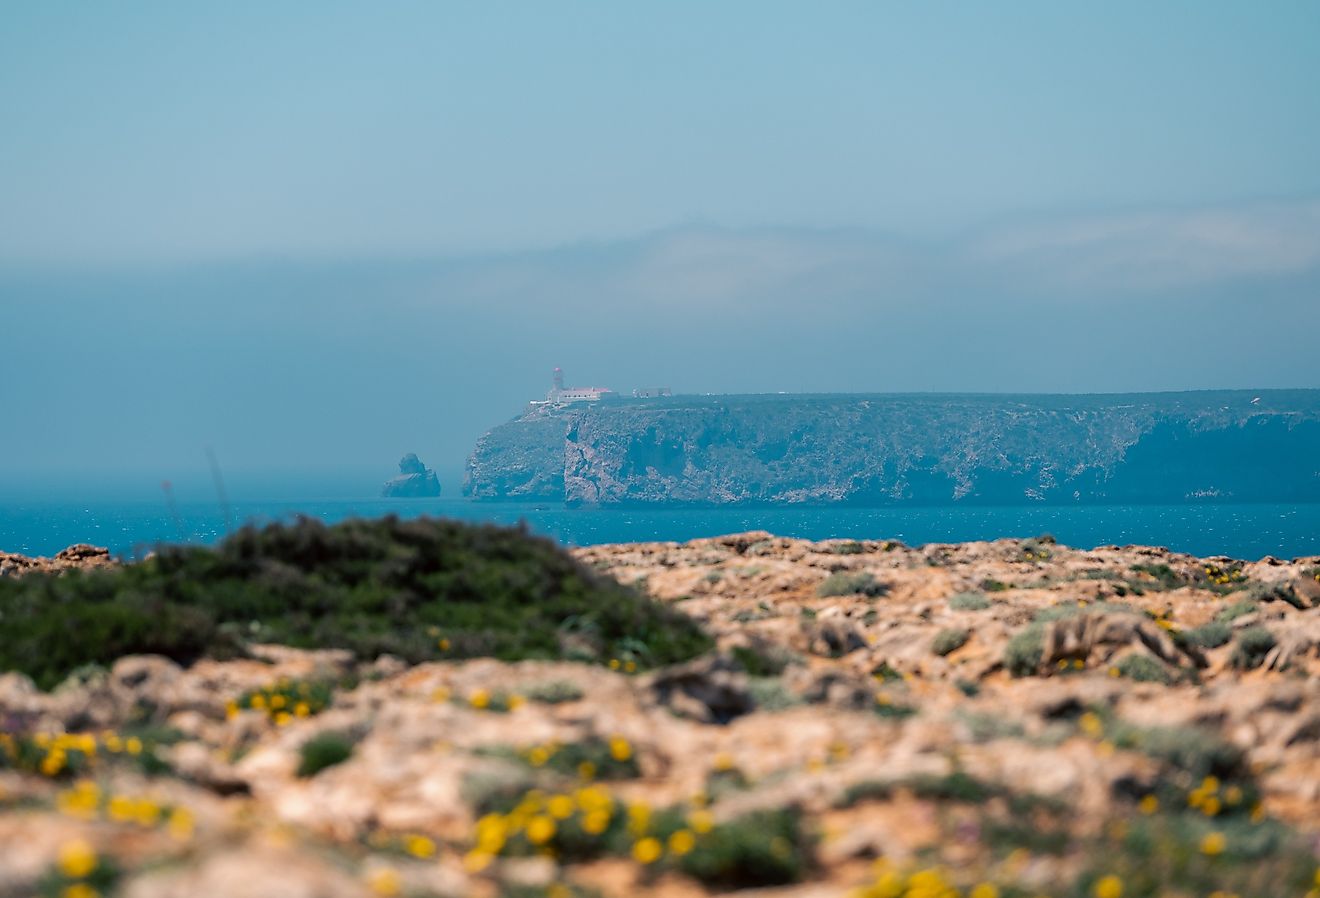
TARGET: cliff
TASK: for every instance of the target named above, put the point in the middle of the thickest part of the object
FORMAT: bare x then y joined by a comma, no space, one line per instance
879,449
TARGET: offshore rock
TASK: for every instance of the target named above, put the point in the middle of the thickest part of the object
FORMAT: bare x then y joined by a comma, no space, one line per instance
880,449
415,481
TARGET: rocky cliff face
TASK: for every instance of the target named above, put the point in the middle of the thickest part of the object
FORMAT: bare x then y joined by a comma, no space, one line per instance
930,449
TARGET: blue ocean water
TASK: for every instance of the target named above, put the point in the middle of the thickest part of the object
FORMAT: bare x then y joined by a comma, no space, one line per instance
1241,531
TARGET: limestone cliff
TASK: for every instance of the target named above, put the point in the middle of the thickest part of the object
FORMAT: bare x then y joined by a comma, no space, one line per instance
910,448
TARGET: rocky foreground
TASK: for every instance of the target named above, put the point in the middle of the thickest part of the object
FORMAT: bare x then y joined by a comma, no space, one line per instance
985,719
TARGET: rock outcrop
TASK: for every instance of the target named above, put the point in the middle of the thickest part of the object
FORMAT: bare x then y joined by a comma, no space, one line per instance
926,449
1088,703
415,481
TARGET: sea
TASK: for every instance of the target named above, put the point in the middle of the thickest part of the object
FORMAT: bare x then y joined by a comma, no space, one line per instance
131,528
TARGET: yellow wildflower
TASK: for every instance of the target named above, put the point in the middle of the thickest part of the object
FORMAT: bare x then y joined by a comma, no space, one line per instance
479,699
614,664
639,818
701,821
538,756
540,829
444,645
277,701
146,812
79,890
596,822
113,743
53,763
77,859
1091,725
257,702
120,808
231,710
1213,844
681,842
1108,887
984,890
516,702
587,770
476,860
419,846
647,851
630,667
133,745
1210,807
440,694
620,750
1149,805
384,881
283,718
560,807
181,823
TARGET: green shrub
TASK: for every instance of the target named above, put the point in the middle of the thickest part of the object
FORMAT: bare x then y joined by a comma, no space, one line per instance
763,848
968,601
322,751
1236,610
1166,576
763,660
1023,653
422,589
849,548
948,640
845,583
992,585
1252,645
1143,668
1210,636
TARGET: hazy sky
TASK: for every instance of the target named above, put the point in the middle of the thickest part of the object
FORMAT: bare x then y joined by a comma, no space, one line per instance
317,235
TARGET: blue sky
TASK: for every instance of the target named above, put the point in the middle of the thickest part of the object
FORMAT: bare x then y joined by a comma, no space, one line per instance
284,229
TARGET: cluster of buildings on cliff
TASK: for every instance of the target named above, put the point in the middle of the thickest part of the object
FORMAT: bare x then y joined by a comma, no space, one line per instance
562,395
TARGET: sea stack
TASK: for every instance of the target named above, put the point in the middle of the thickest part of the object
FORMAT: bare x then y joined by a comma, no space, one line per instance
415,480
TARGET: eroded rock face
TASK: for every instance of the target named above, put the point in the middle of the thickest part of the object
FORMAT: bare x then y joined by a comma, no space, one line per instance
415,481
846,708
883,449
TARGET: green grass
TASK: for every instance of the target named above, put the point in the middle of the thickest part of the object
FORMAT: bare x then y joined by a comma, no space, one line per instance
1144,669
422,589
555,692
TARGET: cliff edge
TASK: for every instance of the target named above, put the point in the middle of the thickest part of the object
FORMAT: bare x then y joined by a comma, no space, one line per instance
880,449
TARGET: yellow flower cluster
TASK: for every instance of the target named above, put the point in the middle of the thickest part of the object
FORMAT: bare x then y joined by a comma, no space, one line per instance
87,801
53,754
77,861
1224,576
284,701
590,812
1209,800
485,700
932,882
625,666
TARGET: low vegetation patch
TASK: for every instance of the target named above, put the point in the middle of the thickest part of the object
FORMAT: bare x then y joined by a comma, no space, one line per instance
1023,653
1143,668
322,751
845,583
968,601
1209,636
1251,647
949,640
555,692
422,589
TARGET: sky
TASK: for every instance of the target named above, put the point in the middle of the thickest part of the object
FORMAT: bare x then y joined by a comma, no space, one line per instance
314,236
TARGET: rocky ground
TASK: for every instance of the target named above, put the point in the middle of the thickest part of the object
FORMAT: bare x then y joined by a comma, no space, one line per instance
1001,718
